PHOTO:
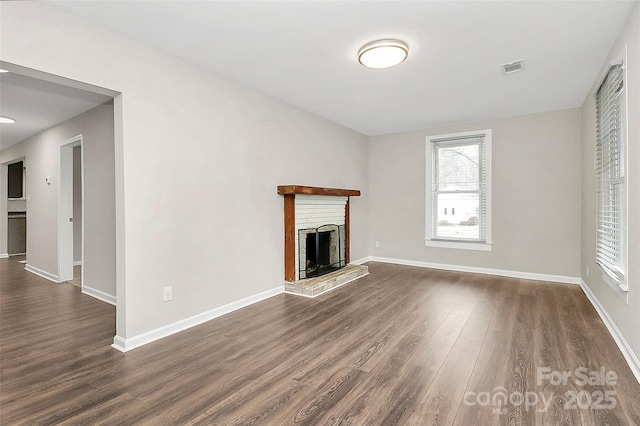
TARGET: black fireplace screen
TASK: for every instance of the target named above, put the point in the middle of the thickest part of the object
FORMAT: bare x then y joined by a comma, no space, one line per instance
321,250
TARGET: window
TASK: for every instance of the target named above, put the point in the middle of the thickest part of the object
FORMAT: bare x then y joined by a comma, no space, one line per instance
610,153
458,207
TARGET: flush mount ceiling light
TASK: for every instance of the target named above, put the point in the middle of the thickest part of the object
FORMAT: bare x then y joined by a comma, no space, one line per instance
383,53
7,120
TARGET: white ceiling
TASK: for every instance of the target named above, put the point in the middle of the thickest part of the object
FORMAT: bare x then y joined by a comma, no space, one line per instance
37,105
304,53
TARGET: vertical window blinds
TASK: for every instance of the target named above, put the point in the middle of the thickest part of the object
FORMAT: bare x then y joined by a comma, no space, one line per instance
610,176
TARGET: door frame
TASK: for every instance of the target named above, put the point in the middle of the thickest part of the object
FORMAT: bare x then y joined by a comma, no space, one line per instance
4,201
65,208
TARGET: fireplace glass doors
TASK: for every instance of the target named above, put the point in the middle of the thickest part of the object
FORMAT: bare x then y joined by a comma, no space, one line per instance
321,250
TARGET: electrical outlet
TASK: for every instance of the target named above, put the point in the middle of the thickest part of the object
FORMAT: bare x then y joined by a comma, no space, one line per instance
587,271
377,244
167,294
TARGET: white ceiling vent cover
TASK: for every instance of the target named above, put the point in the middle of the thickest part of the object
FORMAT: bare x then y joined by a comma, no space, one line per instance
511,67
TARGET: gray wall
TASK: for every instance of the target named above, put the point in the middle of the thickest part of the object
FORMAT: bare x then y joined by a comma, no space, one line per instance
77,205
42,159
535,195
198,159
626,316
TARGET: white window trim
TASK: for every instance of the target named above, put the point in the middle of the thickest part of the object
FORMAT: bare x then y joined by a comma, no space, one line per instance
462,245
429,241
621,289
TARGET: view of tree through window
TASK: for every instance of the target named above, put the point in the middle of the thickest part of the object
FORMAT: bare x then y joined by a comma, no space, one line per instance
458,197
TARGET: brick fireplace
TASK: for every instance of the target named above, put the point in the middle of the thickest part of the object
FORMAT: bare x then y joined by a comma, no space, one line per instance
316,235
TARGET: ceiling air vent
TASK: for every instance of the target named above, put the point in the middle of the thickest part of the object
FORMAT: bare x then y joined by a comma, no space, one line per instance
512,67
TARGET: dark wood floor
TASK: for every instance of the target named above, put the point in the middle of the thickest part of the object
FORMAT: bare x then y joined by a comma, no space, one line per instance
401,346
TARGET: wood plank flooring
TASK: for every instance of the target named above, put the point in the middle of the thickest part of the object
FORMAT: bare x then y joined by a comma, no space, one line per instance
402,346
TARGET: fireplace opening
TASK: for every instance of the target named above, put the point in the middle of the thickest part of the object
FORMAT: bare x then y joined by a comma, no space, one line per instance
318,251
322,250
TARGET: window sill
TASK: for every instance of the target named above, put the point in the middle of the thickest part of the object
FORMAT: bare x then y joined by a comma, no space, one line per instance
623,293
461,245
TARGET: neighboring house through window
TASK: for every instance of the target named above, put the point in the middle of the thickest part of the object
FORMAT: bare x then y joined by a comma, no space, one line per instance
458,206
611,182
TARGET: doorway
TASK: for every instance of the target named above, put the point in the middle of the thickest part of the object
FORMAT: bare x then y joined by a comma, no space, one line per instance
71,212
51,227
16,209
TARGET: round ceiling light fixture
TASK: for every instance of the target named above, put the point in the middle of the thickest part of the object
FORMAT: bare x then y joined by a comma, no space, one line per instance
7,120
383,53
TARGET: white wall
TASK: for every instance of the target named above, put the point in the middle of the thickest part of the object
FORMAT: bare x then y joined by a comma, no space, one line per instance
535,196
198,160
626,316
42,159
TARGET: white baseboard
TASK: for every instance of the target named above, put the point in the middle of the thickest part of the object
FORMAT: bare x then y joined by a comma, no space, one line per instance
120,344
100,295
360,261
627,352
77,263
44,274
500,272
127,344
4,255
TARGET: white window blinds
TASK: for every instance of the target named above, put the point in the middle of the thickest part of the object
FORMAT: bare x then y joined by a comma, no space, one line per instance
458,193
610,176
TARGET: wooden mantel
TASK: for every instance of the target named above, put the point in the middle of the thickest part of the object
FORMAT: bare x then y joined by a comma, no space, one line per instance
289,192
312,190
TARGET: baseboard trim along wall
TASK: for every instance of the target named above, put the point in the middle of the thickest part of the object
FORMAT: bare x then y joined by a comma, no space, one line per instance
100,295
44,274
627,352
499,272
4,255
124,345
